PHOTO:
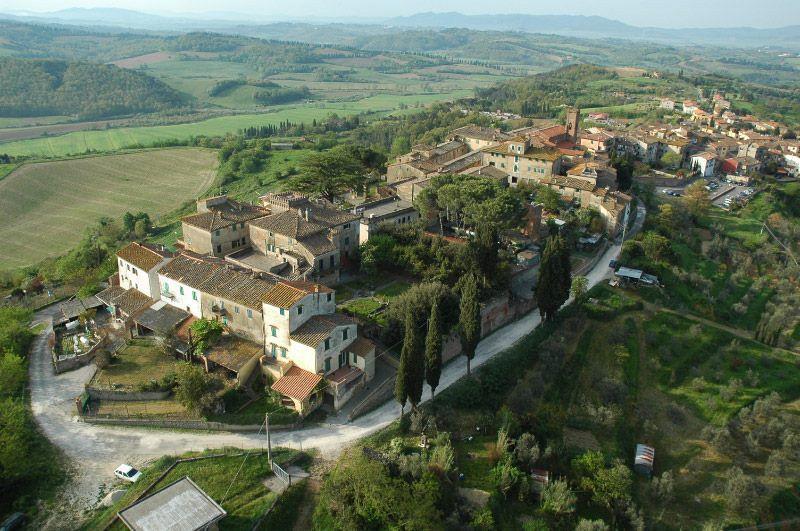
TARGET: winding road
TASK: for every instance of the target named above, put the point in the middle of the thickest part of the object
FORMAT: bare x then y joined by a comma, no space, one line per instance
97,450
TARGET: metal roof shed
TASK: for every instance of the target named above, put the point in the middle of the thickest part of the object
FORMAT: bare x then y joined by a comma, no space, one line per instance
643,462
180,506
629,274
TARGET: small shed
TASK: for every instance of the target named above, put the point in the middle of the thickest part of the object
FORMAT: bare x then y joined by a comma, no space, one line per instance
159,319
643,461
180,506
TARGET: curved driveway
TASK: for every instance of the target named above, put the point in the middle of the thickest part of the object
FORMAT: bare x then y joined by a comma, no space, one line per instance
98,450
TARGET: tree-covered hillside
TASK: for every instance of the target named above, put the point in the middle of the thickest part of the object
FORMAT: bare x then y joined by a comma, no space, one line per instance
45,87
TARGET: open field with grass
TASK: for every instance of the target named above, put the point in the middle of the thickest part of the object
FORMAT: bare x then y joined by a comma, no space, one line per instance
118,138
135,365
45,207
246,500
5,169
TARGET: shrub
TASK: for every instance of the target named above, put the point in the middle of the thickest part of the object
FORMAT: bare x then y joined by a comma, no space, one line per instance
102,359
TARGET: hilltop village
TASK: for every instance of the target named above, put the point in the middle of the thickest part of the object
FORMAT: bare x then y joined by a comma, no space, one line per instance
268,271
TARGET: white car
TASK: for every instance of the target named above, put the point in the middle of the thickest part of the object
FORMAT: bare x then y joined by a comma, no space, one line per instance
127,473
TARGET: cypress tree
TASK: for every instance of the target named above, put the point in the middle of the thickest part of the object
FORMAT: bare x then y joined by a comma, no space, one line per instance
485,248
552,289
433,349
469,319
411,374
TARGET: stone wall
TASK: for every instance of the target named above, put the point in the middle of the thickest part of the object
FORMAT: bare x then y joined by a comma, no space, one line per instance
125,396
69,364
188,424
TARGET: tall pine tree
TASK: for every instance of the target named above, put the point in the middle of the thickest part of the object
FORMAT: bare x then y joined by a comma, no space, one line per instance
433,348
469,319
555,278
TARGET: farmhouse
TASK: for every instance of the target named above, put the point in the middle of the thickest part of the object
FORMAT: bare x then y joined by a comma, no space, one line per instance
138,265
387,211
219,227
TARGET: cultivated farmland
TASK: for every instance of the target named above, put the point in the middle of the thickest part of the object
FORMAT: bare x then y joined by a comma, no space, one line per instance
45,207
117,138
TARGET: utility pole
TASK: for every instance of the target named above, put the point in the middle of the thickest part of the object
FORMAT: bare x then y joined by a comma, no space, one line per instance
269,443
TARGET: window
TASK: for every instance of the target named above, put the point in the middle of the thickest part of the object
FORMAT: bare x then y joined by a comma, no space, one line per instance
283,352
273,350
347,240
235,309
235,244
327,364
219,248
344,334
283,311
343,359
346,225
327,343
300,310
134,271
216,233
332,261
166,287
244,241
180,289
330,297
225,320
194,295
249,313
128,267
273,331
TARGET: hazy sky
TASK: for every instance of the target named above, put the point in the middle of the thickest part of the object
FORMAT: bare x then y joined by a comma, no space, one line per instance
663,13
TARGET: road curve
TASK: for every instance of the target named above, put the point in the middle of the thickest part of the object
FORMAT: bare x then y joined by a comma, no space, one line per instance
97,450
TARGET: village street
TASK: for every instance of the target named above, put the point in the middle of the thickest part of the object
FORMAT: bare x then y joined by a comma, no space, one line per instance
97,450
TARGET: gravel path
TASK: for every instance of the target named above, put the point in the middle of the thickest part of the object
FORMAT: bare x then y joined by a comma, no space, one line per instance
97,450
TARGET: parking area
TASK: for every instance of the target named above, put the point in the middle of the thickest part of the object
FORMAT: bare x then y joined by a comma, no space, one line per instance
735,193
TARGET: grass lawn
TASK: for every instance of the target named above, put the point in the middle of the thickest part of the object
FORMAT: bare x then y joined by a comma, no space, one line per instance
136,364
254,412
45,207
472,460
5,169
246,500
145,409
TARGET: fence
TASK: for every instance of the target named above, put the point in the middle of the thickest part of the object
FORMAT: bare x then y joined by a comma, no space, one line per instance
281,473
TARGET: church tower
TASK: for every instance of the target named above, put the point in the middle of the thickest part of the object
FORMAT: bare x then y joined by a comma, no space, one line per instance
573,117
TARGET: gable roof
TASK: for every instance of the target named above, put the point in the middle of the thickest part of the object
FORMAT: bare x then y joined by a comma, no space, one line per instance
143,256
127,301
288,292
239,287
297,383
289,223
180,506
318,328
189,270
224,214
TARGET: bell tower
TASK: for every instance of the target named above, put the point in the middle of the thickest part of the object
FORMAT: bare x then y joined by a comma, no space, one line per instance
573,117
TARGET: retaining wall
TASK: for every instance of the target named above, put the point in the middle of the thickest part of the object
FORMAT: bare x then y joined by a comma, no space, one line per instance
125,396
78,361
201,425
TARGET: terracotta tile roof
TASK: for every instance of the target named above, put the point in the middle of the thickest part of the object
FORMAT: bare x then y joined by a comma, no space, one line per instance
345,375
318,328
297,383
131,301
289,223
143,256
361,347
479,133
286,293
487,171
108,295
233,352
235,286
225,214
569,182
189,270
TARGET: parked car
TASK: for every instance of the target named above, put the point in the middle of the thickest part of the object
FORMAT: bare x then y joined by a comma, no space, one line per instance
15,521
127,473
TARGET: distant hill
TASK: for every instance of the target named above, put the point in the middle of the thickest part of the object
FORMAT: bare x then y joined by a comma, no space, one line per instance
53,87
596,27
600,27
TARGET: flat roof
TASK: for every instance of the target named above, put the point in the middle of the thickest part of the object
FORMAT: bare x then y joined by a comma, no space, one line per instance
384,209
629,273
180,506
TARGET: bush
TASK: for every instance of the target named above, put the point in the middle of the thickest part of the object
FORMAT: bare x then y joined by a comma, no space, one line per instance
102,359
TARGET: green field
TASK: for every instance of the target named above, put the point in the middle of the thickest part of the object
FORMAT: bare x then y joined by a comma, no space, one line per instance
45,207
244,499
114,139
5,169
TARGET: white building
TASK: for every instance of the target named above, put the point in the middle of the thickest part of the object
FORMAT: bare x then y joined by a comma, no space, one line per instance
138,265
705,163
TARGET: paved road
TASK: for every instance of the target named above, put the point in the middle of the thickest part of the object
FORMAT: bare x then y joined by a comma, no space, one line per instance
98,450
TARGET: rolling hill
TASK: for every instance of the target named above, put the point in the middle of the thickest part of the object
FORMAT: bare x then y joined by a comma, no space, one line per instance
52,87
